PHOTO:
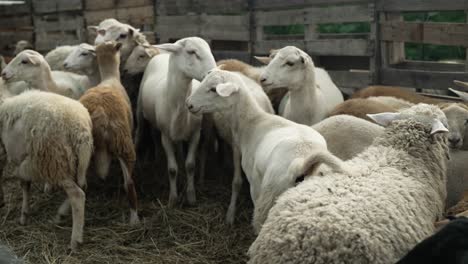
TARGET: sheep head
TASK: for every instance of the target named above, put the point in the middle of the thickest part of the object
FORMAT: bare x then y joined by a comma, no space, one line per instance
290,67
81,60
139,59
216,93
26,66
457,117
190,55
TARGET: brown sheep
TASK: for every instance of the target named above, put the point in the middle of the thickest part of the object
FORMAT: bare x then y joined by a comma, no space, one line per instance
111,116
360,107
395,91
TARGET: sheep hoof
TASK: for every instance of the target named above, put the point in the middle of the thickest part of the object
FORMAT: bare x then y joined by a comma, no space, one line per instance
172,202
134,220
74,245
23,220
191,199
230,219
57,219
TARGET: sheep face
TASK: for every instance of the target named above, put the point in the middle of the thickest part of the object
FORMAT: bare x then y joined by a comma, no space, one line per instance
192,56
288,68
457,116
24,67
216,93
139,59
120,33
81,59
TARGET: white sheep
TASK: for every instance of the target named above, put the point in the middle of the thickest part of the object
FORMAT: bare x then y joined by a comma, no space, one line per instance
57,56
139,59
22,45
312,94
48,138
384,204
222,122
167,81
113,30
82,60
275,152
31,67
347,135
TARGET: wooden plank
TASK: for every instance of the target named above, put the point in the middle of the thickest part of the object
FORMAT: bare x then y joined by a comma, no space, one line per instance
290,4
186,26
350,79
421,79
455,34
15,22
239,55
338,14
223,6
430,66
51,6
56,22
278,18
339,47
99,5
93,18
264,46
175,7
11,10
136,16
133,3
420,5
225,27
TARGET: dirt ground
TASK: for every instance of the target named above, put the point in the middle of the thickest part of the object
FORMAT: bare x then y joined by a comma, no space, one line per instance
182,234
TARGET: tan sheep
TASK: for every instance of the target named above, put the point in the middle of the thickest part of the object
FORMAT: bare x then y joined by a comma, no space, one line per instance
111,115
395,91
360,107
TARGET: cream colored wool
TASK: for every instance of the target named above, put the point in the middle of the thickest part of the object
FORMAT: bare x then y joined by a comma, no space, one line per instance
375,213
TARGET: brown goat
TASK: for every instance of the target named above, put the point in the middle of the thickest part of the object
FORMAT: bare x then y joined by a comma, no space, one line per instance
111,115
360,107
398,92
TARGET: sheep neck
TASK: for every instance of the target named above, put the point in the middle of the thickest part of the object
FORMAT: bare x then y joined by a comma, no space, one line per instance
94,75
45,83
303,99
178,86
108,66
245,114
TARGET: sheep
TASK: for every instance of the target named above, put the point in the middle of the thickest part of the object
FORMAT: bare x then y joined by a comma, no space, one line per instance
360,108
347,135
448,245
112,120
56,57
222,122
48,138
167,81
22,45
82,60
7,257
398,92
139,59
275,152
384,202
31,67
312,94
2,63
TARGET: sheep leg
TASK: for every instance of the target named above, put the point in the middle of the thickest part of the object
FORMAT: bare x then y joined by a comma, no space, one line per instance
77,198
236,185
190,167
172,168
102,160
130,189
26,187
63,210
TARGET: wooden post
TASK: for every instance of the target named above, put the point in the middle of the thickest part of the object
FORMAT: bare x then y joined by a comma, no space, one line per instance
252,31
375,59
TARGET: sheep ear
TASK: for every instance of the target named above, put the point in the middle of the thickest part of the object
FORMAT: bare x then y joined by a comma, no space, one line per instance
462,95
118,45
169,47
461,84
34,59
131,31
438,127
264,60
226,89
151,51
384,119
92,28
101,32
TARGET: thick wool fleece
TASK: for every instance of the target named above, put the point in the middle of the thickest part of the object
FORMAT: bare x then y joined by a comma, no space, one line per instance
375,213
58,130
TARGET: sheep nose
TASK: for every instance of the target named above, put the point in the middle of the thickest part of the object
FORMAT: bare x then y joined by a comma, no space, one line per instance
454,140
263,80
65,65
4,76
189,106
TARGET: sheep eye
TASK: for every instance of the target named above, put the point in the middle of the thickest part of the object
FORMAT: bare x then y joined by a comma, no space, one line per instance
466,122
289,63
191,52
24,62
141,56
84,54
300,179
122,36
213,89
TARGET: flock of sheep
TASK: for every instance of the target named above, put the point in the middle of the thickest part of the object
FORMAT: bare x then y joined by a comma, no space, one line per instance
332,181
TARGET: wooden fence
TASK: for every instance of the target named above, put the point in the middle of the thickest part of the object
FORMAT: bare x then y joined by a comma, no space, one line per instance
243,28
